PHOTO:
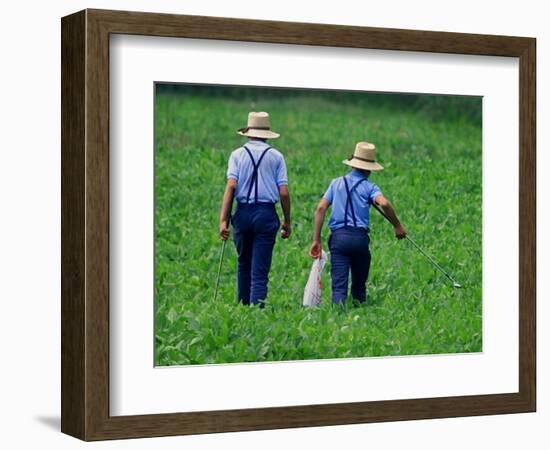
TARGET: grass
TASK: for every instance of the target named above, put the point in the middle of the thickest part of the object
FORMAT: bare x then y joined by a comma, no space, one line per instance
432,176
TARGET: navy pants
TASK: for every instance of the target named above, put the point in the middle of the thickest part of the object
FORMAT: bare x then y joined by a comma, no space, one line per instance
349,251
255,229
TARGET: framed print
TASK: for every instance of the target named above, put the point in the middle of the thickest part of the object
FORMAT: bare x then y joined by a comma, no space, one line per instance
223,180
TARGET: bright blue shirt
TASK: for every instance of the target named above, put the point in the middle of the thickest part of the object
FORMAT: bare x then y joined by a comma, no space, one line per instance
271,172
362,196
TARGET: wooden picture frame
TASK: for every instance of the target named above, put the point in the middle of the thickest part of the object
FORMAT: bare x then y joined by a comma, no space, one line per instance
85,224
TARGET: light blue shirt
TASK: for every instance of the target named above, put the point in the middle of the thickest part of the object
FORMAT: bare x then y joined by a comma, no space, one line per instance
271,172
362,196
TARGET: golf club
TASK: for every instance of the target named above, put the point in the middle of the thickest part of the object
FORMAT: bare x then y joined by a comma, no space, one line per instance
219,270
428,257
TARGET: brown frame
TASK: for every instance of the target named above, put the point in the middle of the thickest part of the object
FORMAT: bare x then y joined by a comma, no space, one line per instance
85,224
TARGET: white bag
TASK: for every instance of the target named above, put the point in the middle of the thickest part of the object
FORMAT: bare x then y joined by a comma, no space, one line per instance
312,292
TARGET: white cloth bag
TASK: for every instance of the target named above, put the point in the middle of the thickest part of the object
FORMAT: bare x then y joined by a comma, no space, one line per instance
312,292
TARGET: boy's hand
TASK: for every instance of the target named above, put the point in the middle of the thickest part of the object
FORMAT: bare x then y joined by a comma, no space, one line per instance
224,231
315,250
286,230
400,232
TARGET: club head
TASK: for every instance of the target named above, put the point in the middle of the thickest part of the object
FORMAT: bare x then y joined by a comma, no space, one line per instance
456,285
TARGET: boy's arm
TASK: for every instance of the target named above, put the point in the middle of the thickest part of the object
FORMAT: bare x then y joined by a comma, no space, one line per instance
400,232
286,227
225,211
315,250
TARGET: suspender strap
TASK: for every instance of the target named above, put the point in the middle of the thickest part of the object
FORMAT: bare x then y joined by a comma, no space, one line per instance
254,178
348,194
349,202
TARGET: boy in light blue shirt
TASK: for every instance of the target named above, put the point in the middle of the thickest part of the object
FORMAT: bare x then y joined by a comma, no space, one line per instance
257,179
350,197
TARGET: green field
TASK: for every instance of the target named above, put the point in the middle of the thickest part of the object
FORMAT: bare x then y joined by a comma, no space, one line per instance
431,150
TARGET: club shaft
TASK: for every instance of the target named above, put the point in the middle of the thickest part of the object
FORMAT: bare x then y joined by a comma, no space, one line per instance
219,271
433,261
426,255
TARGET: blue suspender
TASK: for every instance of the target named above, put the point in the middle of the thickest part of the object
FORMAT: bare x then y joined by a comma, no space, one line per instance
349,203
254,178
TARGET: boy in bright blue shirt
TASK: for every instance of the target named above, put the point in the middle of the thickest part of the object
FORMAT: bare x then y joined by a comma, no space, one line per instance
350,197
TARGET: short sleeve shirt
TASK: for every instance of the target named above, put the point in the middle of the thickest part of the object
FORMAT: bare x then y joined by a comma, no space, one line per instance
363,194
272,172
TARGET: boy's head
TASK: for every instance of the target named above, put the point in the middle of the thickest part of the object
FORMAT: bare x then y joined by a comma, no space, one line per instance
258,127
364,172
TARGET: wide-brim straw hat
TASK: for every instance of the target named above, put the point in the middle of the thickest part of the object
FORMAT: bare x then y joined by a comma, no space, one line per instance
258,126
364,157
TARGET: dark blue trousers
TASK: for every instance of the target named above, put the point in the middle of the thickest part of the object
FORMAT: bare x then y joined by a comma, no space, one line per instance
255,229
349,251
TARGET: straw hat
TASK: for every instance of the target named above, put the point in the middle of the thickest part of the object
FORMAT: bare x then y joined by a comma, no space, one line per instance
258,126
364,157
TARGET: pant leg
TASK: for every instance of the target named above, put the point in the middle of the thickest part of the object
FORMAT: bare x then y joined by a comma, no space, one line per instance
266,226
243,239
360,265
339,267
